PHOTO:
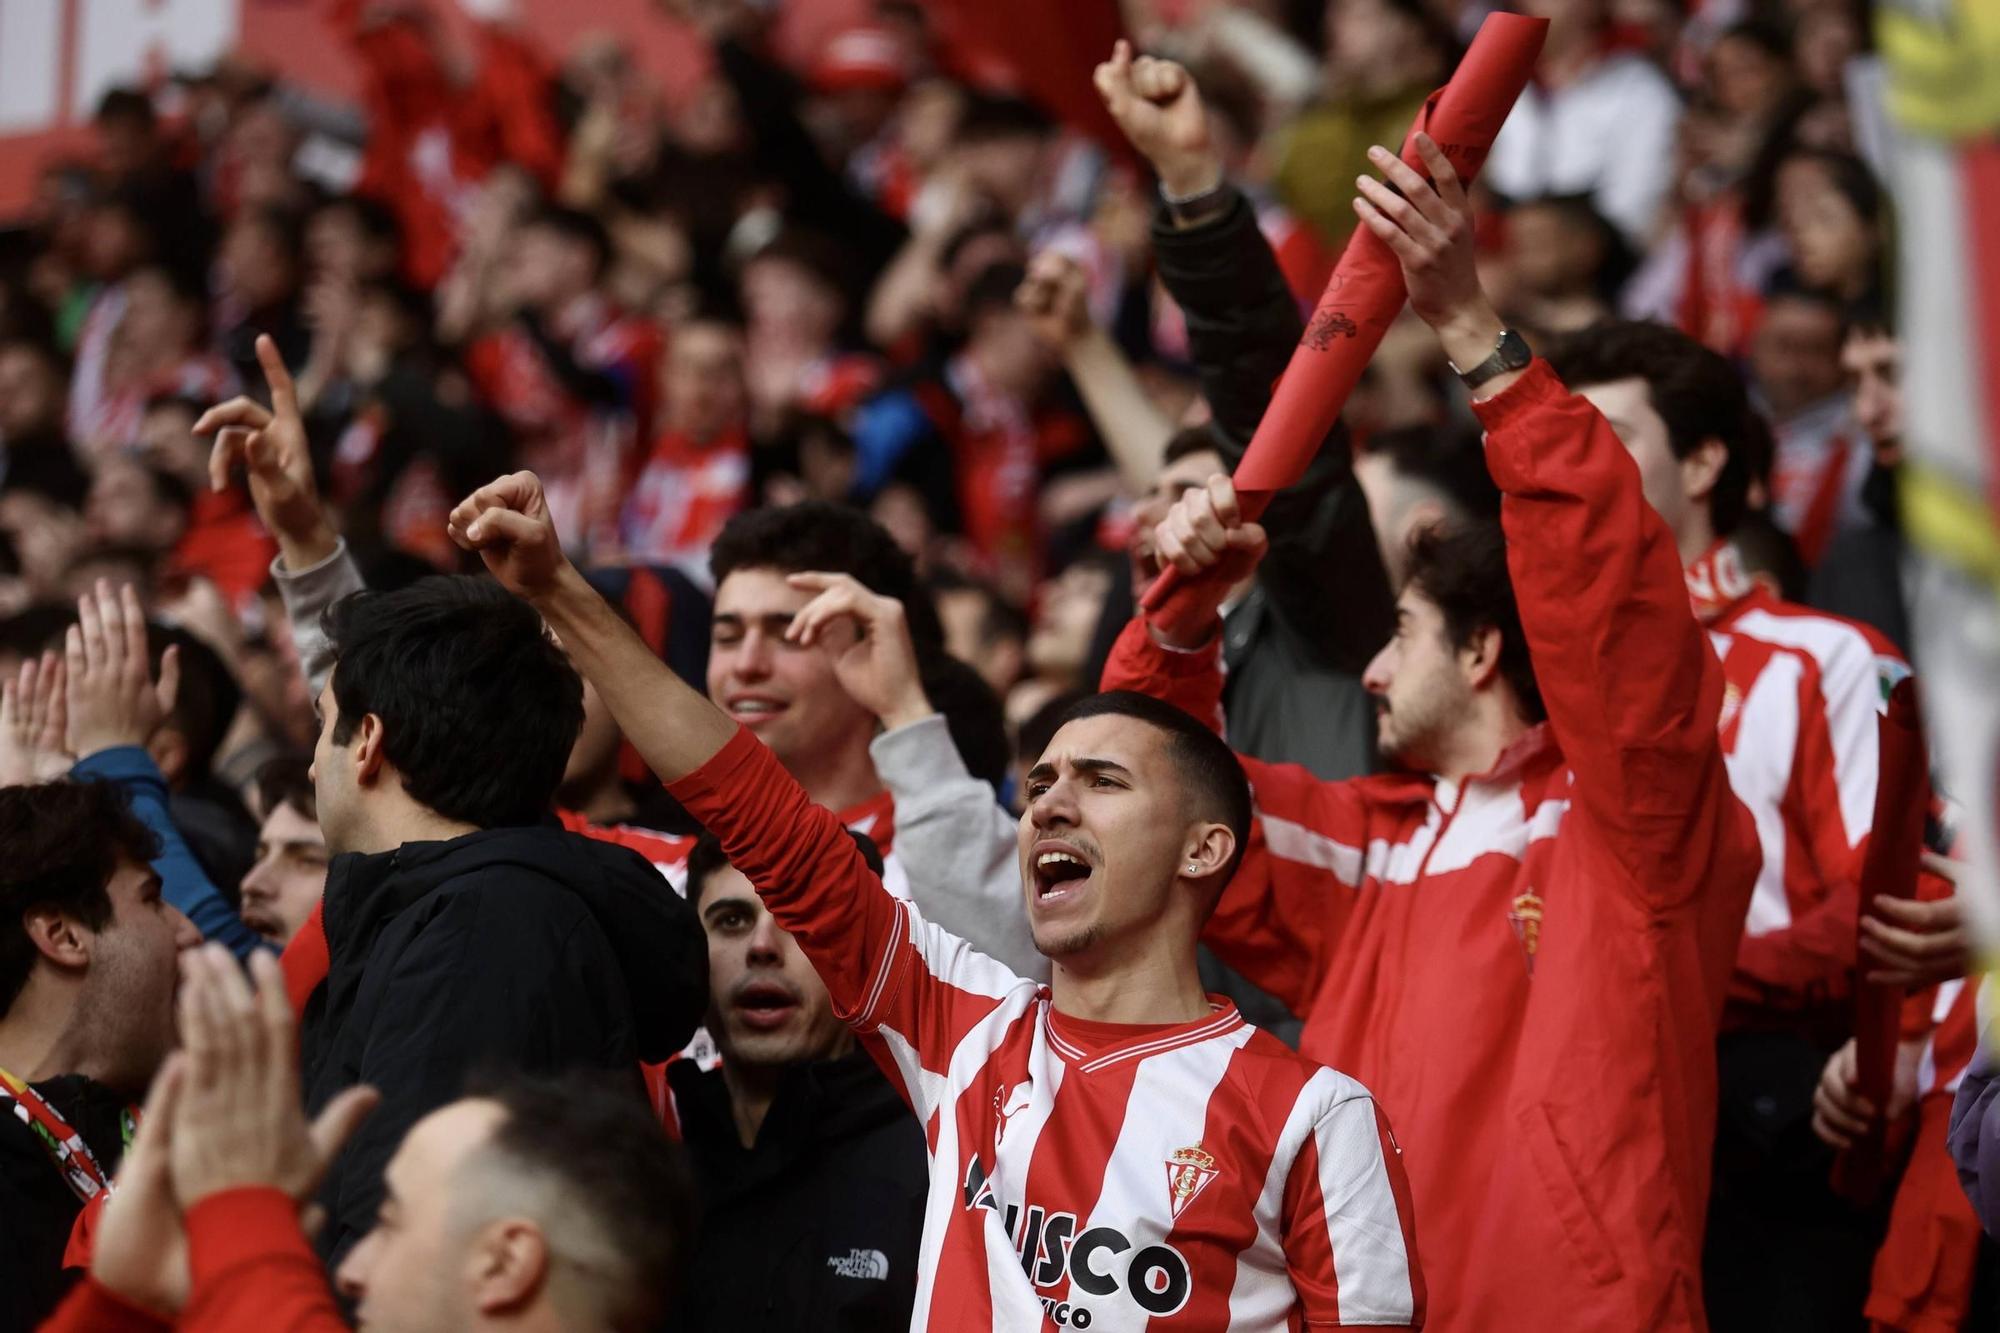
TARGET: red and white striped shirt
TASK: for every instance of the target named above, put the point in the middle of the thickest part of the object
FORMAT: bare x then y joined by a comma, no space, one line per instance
1803,692
1083,1175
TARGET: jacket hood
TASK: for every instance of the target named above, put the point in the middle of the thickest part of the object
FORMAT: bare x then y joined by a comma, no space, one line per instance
653,932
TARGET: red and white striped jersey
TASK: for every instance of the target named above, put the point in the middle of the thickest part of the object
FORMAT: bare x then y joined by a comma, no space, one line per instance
1083,1175
1802,696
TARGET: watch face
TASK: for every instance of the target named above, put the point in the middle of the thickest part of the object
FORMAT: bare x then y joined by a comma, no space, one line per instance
1513,351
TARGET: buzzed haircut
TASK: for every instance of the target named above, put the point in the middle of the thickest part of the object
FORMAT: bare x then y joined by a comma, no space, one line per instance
585,1158
708,857
1188,440
1216,787
64,841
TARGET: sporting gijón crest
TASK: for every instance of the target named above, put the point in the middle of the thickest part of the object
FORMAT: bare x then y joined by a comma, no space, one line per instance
1188,1172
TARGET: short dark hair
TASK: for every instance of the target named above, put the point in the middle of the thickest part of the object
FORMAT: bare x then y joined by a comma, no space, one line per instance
64,841
1869,317
479,706
573,224
1188,440
125,104
1043,724
708,857
1213,776
830,538
1451,461
595,1138
999,619
1695,390
991,116
286,779
1461,568
993,289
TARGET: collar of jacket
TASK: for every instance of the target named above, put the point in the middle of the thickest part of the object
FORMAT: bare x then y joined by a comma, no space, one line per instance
1533,751
819,1103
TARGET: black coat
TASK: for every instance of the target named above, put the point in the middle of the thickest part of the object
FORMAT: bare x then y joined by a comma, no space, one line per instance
817,1226
37,1206
509,949
1322,607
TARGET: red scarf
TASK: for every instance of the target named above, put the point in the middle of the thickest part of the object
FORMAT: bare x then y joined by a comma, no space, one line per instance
1716,583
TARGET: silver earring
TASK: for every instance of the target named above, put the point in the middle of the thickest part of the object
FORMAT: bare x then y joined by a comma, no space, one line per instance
1193,868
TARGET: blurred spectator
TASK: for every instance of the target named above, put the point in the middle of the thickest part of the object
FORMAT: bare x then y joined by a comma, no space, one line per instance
32,393
1382,59
981,627
698,474
1597,121
1564,265
153,345
1860,574
1822,460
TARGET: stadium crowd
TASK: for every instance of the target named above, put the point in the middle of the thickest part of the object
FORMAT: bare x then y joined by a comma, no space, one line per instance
579,749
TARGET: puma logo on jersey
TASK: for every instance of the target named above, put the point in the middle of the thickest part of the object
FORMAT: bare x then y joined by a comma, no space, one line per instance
1008,1102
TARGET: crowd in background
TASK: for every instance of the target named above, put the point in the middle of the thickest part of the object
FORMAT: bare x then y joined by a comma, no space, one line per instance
880,282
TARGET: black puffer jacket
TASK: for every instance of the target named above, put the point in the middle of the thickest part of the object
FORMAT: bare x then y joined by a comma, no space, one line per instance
509,949
816,1228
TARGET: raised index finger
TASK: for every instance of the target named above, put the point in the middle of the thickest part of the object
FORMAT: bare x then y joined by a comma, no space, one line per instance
284,398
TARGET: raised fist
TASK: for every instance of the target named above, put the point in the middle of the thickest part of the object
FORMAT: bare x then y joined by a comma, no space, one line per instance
1157,105
507,521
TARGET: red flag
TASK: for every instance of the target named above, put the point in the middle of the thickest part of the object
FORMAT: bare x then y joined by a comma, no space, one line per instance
1365,293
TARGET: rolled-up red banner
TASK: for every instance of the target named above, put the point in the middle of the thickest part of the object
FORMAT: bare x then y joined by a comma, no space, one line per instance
1895,854
1365,292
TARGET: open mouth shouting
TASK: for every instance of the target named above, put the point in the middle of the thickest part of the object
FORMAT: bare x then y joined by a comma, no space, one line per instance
764,1005
1062,871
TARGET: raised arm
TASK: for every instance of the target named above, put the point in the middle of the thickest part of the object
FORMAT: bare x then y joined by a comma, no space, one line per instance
1631,685
114,707
957,847
1243,325
885,967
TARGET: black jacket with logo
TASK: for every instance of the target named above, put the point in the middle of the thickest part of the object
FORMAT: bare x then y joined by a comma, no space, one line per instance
525,949
817,1226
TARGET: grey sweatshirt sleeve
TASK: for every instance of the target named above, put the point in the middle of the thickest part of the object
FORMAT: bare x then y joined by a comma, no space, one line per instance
307,593
956,845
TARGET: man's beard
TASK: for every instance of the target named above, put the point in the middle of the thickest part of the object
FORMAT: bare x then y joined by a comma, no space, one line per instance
1076,941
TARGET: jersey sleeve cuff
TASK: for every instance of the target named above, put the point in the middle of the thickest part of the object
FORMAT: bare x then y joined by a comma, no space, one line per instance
237,1226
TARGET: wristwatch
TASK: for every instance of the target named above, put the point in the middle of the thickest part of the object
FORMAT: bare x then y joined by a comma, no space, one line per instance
1511,352
1195,209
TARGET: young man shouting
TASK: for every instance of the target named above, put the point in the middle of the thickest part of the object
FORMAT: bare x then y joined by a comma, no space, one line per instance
1111,1148
1526,935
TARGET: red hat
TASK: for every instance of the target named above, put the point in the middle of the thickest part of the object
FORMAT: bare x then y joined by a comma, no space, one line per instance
861,58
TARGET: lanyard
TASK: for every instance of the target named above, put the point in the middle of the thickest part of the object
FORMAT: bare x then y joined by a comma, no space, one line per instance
66,1149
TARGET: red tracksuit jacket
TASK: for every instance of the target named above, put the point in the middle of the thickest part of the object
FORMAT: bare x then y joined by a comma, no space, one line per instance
252,1269
1528,968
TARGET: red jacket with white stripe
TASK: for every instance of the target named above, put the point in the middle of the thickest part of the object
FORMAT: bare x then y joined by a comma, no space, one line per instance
1528,967
1120,1178
1803,693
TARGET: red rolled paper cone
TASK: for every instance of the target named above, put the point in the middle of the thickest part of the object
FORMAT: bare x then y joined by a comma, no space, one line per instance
1895,851
1365,292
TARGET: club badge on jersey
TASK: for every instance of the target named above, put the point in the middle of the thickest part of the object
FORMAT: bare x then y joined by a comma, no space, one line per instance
1189,1170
